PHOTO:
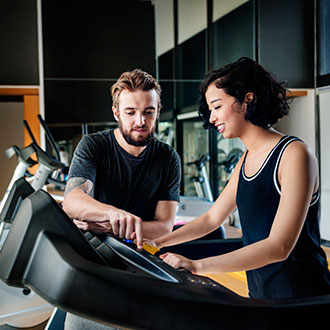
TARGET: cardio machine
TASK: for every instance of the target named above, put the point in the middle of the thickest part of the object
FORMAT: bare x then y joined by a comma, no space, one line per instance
22,307
201,182
19,187
191,207
114,283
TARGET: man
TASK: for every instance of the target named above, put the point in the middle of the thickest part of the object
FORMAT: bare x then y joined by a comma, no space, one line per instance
124,181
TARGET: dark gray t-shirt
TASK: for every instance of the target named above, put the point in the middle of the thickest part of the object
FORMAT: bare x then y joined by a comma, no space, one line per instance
134,184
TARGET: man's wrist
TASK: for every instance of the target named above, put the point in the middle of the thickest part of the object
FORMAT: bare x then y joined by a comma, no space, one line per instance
110,211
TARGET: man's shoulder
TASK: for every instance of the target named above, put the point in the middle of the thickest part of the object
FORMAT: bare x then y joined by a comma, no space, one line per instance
101,135
98,138
161,148
98,142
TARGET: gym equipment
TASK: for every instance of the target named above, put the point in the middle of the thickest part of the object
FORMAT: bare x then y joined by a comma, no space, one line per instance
48,164
201,182
166,136
17,189
24,162
23,308
116,284
84,129
190,208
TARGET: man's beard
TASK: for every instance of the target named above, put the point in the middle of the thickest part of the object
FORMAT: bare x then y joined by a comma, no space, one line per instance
141,142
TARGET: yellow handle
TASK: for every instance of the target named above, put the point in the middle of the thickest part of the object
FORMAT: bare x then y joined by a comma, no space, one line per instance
150,248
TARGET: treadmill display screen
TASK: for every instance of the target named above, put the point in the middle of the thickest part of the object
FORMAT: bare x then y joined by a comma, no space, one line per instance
141,259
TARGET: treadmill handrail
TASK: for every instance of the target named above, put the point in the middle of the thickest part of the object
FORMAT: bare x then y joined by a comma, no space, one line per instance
50,137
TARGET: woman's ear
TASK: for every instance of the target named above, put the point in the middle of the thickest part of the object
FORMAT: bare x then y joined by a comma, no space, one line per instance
249,97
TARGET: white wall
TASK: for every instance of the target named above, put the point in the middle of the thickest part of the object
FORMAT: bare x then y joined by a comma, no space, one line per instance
223,7
11,133
192,17
164,26
301,120
324,104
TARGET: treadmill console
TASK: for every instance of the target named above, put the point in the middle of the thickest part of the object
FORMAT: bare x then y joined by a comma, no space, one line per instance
153,265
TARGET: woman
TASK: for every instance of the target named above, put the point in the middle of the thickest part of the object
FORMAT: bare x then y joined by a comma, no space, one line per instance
275,187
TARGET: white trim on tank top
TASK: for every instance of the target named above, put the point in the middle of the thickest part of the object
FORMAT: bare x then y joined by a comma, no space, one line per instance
250,178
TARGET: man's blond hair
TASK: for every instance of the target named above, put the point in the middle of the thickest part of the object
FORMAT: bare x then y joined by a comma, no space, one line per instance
133,81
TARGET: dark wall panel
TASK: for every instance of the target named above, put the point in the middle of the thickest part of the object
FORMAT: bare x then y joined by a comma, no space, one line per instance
87,45
18,42
192,57
166,65
98,39
233,36
78,101
323,12
286,46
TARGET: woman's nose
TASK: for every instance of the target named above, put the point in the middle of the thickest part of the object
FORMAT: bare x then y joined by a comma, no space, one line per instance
212,117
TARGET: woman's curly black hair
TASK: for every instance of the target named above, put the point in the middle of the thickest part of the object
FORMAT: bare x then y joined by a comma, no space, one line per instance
270,101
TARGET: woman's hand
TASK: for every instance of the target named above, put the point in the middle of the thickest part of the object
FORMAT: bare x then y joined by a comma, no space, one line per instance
177,261
150,242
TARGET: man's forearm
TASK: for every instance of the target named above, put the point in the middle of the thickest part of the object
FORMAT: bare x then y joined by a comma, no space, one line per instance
79,205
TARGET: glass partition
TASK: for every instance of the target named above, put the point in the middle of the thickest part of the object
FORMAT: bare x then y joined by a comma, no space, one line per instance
195,145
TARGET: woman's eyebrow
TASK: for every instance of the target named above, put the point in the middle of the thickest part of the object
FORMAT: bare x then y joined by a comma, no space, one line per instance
215,100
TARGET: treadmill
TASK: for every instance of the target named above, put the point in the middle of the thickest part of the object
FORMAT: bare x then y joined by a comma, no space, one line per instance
108,280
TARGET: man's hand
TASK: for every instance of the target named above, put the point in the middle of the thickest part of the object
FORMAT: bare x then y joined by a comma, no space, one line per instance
120,223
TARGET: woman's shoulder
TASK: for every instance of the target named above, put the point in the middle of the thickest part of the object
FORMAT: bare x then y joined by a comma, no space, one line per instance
298,154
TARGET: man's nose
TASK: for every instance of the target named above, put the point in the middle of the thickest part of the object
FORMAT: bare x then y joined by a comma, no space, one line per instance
140,120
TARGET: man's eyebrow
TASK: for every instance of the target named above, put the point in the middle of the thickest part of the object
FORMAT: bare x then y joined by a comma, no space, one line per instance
134,108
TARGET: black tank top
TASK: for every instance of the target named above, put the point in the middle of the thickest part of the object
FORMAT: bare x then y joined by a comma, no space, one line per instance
304,272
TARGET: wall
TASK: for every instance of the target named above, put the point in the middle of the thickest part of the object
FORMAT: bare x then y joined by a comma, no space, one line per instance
301,121
12,115
286,40
324,104
18,42
86,48
164,26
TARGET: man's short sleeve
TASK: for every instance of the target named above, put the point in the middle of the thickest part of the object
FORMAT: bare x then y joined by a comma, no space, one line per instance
171,190
84,160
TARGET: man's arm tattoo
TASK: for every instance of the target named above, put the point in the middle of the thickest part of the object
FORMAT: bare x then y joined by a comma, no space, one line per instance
85,185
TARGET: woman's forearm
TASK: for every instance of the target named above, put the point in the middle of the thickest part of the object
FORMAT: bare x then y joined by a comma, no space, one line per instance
190,231
249,257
